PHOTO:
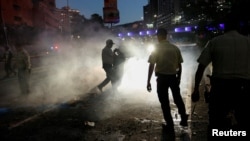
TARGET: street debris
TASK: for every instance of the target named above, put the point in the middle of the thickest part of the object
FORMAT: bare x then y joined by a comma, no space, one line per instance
88,123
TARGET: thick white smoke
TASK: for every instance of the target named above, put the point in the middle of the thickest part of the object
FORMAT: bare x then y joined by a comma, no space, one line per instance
77,69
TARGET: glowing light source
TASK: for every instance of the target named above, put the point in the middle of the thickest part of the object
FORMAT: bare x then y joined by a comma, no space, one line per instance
150,48
188,29
222,26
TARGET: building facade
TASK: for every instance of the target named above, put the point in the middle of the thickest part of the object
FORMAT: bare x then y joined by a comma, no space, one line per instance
16,12
44,14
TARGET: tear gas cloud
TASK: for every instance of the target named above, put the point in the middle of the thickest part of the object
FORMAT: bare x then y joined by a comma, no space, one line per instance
77,69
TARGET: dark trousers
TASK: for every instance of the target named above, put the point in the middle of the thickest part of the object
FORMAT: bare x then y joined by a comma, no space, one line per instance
164,82
8,68
109,76
229,105
23,80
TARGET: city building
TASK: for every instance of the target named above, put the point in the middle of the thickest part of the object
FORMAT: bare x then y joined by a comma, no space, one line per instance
44,15
18,16
16,12
150,13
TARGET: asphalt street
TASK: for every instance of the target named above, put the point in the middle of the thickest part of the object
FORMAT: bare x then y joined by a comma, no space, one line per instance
93,115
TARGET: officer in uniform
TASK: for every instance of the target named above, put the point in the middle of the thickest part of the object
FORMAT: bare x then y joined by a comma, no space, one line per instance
166,59
230,81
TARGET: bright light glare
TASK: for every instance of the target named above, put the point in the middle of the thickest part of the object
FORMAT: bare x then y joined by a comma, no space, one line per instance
134,81
150,48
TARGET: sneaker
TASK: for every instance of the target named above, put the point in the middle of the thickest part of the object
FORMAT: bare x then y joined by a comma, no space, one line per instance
184,120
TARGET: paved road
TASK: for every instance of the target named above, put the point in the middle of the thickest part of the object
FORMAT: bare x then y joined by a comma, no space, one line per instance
90,116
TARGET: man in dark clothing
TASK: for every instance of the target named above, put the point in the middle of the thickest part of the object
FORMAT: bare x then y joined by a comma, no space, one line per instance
8,55
107,64
230,81
23,66
167,58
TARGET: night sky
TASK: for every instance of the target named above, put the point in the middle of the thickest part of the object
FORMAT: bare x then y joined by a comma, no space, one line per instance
130,10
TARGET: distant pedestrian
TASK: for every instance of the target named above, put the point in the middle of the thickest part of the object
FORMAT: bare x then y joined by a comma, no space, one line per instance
166,61
107,64
8,56
23,66
229,97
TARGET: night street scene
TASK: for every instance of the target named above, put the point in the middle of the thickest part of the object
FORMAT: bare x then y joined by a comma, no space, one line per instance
57,85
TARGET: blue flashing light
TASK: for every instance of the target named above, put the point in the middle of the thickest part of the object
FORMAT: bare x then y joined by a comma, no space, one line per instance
143,33
222,26
179,29
211,28
188,29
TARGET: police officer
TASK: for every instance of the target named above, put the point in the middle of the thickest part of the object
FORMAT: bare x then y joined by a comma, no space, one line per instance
230,81
167,58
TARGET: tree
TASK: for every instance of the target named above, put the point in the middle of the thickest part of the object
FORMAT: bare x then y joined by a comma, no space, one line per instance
96,18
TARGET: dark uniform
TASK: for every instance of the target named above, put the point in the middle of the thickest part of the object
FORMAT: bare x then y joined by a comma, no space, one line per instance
23,66
230,81
8,55
107,64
